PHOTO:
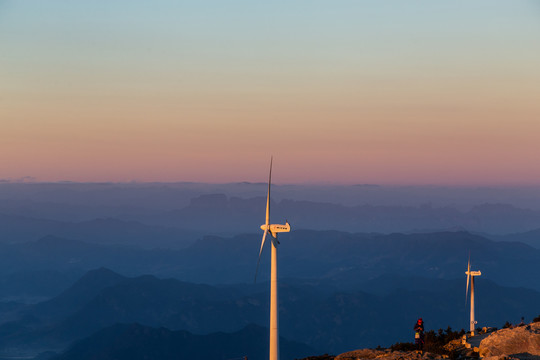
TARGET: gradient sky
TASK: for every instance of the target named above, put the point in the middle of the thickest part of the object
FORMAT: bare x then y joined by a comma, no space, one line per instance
387,92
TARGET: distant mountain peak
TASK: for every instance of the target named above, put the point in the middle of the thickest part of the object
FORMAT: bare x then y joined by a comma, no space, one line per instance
100,273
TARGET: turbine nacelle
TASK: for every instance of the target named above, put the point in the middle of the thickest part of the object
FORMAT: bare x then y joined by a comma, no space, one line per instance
273,229
470,274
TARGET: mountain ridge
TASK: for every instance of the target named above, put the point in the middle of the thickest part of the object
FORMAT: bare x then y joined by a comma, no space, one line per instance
134,342
332,321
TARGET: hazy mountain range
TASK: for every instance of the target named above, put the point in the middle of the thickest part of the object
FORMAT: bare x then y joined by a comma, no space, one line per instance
134,342
85,201
16,228
325,319
172,214
340,258
177,261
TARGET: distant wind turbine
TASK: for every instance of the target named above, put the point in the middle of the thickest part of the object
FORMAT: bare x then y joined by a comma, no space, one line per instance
273,229
470,277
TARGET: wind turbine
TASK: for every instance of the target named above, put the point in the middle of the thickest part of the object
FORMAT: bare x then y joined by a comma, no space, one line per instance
470,277
273,229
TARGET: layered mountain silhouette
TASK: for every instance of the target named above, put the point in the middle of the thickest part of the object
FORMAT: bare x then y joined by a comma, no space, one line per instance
369,266
531,238
16,228
219,214
87,287
339,258
233,215
378,312
137,342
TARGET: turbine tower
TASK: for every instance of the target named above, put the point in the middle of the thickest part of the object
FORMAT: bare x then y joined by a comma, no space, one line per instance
273,229
470,277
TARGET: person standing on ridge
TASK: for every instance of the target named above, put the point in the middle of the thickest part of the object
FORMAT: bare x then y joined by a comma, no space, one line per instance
419,335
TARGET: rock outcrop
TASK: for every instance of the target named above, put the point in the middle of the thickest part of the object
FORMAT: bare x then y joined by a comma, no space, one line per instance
520,342
368,354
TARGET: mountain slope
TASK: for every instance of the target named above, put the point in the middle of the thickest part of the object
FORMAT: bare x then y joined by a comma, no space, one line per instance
331,321
234,214
531,238
137,342
69,301
349,259
17,229
344,258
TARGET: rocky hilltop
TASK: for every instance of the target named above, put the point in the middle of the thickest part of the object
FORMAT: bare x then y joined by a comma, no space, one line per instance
516,343
522,342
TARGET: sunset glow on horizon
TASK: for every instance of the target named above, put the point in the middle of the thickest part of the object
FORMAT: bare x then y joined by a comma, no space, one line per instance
345,92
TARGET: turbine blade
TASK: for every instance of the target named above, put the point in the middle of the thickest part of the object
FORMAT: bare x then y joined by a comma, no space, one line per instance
260,252
268,195
467,289
468,277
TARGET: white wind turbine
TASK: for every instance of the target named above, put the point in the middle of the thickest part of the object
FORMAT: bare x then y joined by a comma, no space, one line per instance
470,277
273,229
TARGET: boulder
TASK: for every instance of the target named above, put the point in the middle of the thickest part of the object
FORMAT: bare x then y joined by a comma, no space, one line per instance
519,342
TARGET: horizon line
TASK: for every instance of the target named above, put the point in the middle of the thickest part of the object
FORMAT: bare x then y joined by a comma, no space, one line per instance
26,181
